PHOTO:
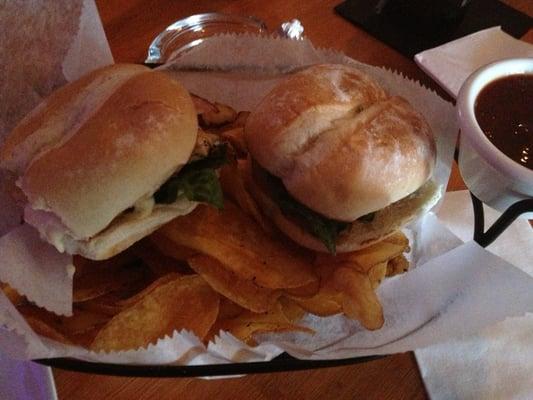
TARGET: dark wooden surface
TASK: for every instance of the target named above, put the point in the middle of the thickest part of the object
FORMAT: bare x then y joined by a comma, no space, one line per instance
130,26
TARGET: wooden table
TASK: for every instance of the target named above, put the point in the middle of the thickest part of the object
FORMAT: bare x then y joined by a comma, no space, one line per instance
130,26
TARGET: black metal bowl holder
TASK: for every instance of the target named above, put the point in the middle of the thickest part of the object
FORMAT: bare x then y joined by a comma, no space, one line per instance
485,238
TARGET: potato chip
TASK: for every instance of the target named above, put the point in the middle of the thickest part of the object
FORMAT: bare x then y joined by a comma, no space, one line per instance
308,290
397,265
400,239
235,136
233,186
82,321
321,304
203,105
359,301
327,301
186,302
242,292
228,309
161,264
171,249
86,337
293,312
364,259
43,322
383,251
239,122
128,302
69,330
87,266
42,328
247,324
107,304
101,278
14,297
235,240
377,273
220,115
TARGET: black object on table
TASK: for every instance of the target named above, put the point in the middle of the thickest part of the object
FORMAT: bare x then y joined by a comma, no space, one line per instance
513,212
409,30
283,362
485,238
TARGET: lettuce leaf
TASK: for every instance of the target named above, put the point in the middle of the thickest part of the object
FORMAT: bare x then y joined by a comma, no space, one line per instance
325,229
196,181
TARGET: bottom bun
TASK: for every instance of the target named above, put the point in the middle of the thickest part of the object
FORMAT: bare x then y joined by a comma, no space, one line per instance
358,234
124,231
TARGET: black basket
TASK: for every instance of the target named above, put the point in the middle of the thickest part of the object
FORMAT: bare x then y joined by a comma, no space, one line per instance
283,362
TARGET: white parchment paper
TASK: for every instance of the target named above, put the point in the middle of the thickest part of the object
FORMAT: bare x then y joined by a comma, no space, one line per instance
45,44
455,288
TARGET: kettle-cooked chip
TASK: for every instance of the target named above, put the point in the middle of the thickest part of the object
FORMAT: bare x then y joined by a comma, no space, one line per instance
242,292
247,324
359,301
236,241
186,302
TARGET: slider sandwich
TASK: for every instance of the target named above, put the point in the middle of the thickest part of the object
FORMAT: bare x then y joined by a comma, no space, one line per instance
106,160
336,162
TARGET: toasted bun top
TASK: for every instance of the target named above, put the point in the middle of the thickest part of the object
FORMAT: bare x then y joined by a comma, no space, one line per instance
339,143
96,146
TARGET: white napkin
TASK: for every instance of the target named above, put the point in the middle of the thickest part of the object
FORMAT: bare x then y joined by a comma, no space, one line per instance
450,64
498,362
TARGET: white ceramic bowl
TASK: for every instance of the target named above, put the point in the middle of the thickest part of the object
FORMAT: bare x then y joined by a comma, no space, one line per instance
493,177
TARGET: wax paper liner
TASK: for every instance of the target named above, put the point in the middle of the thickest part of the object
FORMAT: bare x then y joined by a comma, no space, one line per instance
455,288
45,43
71,43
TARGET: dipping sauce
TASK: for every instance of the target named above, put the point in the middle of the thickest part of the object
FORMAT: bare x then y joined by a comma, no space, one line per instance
504,111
